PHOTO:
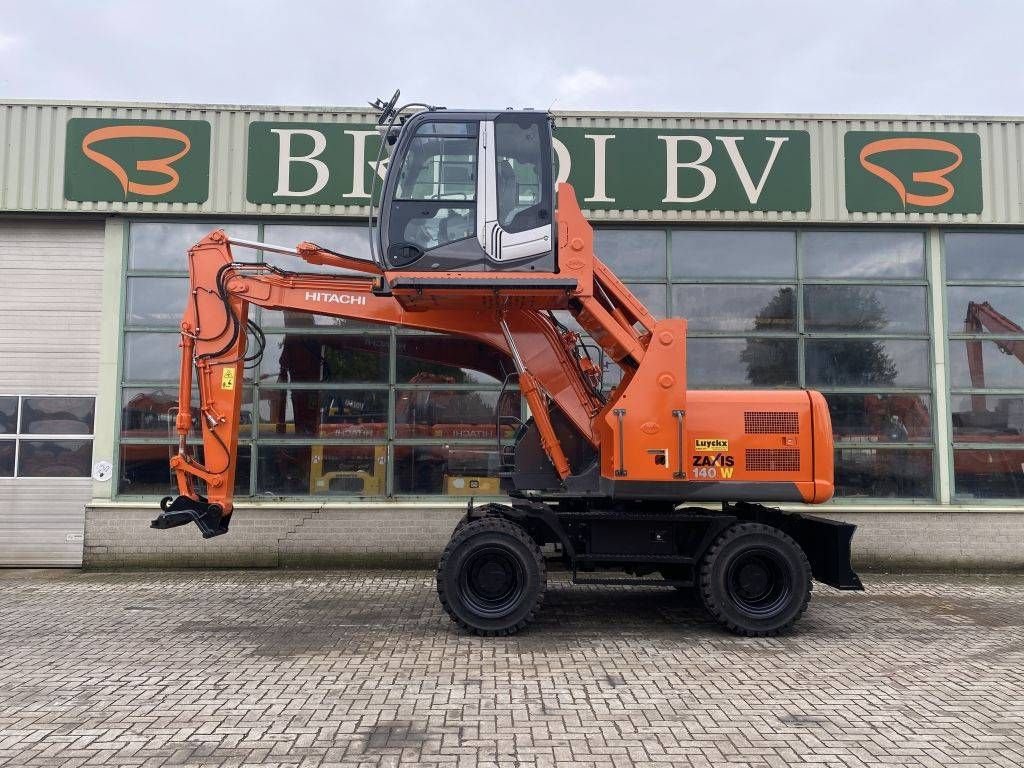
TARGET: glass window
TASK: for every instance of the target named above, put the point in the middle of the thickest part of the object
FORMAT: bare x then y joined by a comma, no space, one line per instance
984,255
7,458
156,301
57,415
426,226
451,470
867,362
711,307
446,360
883,473
151,412
348,239
755,362
865,308
152,356
54,458
271,318
523,182
453,414
654,297
880,418
352,414
438,168
989,473
1004,313
732,253
988,418
632,252
8,415
145,469
310,358
164,245
862,253
328,470
997,363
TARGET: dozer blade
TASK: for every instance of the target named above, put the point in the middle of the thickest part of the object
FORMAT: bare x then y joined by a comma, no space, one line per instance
827,545
184,510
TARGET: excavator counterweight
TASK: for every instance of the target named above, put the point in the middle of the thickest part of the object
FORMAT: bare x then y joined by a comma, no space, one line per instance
473,240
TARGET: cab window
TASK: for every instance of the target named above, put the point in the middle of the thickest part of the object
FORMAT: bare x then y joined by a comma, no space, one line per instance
434,202
523,177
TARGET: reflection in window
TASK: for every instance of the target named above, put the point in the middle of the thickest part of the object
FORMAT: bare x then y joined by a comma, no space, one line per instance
300,470
311,358
7,458
632,252
430,227
883,473
862,253
1004,312
164,245
732,253
988,473
984,255
454,414
57,415
438,168
996,363
867,362
755,362
864,308
54,458
152,356
351,414
8,415
156,301
980,418
446,360
145,469
452,470
711,307
880,418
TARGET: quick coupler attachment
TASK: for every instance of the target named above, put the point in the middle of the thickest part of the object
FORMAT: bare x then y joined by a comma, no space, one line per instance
184,509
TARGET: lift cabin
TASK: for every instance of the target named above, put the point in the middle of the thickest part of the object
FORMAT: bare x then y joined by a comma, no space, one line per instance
473,240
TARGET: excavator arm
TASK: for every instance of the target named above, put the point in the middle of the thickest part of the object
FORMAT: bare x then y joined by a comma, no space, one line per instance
982,316
515,320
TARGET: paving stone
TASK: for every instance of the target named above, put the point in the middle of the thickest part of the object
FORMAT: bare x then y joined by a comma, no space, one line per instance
330,668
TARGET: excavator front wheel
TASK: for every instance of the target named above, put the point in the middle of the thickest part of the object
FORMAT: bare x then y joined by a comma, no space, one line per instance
491,578
755,580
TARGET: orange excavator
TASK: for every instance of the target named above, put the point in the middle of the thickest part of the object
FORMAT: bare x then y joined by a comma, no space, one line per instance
474,240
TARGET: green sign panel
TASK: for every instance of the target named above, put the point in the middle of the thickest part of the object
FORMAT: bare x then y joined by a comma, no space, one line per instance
698,170
137,160
321,163
913,172
635,168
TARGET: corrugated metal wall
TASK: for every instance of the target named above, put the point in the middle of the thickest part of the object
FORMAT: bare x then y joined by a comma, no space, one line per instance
32,160
50,305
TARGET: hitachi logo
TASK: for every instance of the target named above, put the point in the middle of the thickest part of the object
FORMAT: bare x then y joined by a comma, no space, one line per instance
334,298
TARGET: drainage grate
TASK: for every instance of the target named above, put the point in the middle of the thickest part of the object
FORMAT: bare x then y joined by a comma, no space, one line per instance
773,460
770,423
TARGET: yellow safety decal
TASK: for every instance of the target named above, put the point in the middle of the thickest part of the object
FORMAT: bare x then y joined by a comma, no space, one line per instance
227,378
714,444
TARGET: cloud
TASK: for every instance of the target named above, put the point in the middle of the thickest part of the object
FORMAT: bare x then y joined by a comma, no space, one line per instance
585,85
7,41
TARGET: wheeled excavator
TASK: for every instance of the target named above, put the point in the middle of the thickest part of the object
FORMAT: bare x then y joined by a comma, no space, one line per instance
649,483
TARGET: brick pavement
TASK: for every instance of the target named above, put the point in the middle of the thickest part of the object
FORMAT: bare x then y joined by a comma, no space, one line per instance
293,668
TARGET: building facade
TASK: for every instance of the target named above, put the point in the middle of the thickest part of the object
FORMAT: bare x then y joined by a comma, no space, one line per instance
879,260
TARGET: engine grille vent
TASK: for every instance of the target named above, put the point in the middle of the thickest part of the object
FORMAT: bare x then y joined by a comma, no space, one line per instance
771,423
773,460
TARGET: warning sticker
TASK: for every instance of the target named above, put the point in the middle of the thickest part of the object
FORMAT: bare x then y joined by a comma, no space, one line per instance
711,444
227,378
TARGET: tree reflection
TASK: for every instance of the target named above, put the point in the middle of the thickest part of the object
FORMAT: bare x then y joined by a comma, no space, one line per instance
850,361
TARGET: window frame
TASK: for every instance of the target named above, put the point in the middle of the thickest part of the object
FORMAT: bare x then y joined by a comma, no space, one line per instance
17,437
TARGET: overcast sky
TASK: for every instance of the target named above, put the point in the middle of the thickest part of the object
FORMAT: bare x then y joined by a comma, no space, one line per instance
854,56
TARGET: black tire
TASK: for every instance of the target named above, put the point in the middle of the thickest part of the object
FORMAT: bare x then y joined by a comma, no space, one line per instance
491,578
755,580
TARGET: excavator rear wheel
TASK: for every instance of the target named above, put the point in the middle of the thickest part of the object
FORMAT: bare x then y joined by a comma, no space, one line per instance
491,578
755,580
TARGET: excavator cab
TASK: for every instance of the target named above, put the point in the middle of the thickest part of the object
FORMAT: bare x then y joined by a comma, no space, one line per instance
470,192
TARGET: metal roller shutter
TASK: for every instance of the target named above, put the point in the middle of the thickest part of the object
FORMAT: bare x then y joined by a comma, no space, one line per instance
50,304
